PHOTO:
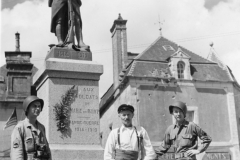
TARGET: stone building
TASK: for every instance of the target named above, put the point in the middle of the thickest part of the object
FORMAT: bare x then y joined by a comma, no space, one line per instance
163,73
15,85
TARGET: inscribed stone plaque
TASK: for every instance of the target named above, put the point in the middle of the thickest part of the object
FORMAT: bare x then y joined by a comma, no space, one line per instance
84,115
66,53
217,156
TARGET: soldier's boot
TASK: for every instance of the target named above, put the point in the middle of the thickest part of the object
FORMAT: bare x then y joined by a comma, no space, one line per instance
59,35
79,36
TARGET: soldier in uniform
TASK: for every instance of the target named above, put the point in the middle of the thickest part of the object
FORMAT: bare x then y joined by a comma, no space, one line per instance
59,20
183,135
28,139
128,142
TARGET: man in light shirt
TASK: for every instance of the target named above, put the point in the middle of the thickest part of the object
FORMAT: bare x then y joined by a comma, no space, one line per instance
128,142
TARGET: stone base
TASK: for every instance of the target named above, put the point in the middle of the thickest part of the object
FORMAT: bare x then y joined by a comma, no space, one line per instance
77,153
74,83
68,53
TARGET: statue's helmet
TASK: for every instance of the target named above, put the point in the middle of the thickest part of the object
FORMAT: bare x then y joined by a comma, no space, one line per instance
29,100
178,104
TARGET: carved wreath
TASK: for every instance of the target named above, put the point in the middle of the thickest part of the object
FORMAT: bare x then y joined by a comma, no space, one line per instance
62,110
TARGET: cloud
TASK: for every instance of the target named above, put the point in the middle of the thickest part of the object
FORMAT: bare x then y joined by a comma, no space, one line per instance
209,4
189,23
10,3
33,26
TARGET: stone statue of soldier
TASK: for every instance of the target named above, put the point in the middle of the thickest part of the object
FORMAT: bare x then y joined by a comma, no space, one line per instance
60,21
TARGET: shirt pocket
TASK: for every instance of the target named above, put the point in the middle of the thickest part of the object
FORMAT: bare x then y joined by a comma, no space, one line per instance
29,144
186,140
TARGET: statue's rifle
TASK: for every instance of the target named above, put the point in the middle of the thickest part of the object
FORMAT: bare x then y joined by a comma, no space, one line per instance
70,35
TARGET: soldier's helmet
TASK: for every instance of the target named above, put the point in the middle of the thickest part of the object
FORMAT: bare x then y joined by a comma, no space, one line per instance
29,100
179,105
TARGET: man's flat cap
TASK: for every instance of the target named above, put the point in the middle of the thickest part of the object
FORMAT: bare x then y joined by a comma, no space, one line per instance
125,107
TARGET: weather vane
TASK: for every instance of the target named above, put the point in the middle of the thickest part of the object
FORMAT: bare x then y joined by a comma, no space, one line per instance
160,23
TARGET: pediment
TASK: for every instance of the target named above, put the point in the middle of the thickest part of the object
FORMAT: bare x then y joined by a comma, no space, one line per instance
180,54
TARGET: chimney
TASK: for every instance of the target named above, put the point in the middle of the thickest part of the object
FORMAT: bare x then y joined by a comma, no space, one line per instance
119,47
17,35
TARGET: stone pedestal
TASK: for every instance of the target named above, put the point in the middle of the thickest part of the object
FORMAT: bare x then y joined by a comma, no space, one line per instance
72,83
66,53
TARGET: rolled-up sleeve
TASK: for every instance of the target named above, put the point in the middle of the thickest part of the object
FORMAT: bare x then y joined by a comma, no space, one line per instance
110,147
206,139
148,148
16,145
165,145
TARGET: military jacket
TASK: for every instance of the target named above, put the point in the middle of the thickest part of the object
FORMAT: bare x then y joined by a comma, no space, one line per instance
184,138
24,137
58,5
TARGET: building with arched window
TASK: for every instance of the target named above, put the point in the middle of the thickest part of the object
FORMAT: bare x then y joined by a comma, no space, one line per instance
166,72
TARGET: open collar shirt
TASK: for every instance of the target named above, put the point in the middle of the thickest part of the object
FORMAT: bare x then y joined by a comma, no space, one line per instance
24,137
128,141
184,138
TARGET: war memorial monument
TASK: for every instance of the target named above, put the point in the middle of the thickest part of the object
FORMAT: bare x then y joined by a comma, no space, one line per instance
69,85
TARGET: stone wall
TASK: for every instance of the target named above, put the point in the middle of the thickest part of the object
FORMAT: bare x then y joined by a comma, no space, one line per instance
210,101
155,117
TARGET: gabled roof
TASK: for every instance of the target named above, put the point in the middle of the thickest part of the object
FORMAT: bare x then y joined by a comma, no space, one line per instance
153,63
157,52
156,56
202,72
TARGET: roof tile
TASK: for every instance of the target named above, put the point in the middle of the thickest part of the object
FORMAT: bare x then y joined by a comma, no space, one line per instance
156,52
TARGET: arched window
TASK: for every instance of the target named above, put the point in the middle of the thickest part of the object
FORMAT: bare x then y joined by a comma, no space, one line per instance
180,69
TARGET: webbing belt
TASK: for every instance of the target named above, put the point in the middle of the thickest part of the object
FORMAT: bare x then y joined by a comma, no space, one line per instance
183,156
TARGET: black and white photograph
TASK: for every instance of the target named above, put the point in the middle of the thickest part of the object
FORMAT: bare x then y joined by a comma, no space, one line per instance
120,80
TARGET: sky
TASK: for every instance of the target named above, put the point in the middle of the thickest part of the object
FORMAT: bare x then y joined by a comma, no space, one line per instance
193,24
